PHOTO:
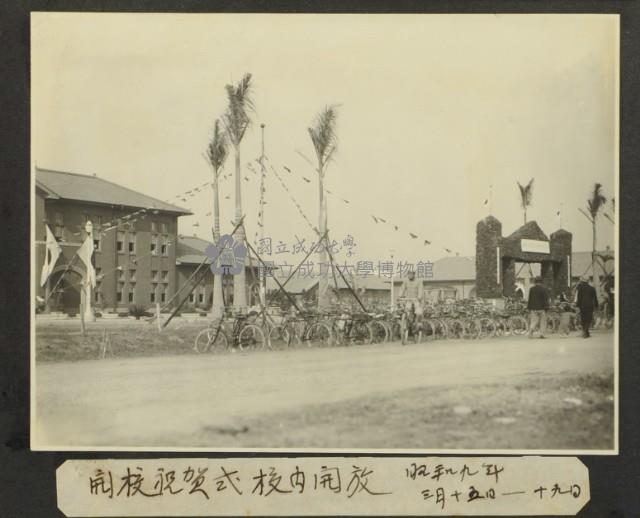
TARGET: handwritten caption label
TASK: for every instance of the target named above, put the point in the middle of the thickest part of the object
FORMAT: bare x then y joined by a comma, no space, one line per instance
428,486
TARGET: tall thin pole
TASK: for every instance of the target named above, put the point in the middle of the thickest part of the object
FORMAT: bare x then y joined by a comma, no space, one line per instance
392,276
490,199
262,277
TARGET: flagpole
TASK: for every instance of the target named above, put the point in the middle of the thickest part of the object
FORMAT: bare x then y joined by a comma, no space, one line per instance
490,199
87,308
262,276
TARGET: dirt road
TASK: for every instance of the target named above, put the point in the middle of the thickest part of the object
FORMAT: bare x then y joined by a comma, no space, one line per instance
167,401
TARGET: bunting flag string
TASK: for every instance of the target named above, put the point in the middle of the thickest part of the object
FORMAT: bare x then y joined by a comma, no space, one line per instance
376,218
142,213
293,199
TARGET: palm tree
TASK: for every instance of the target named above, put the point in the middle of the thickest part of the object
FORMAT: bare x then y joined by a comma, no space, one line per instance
526,195
323,137
217,152
236,120
594,205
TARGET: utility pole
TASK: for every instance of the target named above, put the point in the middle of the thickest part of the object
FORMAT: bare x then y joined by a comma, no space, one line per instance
392,276
262,275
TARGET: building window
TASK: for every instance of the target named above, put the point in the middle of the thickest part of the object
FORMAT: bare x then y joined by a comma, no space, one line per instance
97,294
119,294
132,275
164,249
154,275
58,226
165,276
97,242
154,244
121,274
120,242
164,228
132,289
192,297
132,242
163,295
152,296
200,297
154,226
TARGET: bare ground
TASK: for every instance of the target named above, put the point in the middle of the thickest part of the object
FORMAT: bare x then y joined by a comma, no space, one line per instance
489,394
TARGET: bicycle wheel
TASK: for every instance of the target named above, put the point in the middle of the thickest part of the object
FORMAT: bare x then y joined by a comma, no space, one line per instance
429,330
502,327
296,331
471,329
251,337
487,328
439,329
553,322
395,331
279,337
361,333
404,330
378,332
211,340
455,328
517,325
318,335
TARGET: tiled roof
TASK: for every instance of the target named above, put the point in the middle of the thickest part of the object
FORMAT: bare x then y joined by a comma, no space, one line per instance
80,187
191,259
190,250
454,269
191,245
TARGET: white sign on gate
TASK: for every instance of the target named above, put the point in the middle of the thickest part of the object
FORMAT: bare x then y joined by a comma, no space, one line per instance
533,245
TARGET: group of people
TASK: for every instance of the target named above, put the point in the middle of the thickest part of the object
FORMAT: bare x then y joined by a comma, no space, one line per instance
586,301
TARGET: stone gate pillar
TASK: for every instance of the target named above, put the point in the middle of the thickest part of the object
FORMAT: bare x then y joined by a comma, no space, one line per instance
508,277
560,244
546,272
488,264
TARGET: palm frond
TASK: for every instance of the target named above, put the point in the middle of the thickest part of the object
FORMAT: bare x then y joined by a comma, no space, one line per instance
236,119
323,135
217,150
597,200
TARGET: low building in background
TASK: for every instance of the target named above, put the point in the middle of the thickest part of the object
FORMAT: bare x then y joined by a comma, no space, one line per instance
190,255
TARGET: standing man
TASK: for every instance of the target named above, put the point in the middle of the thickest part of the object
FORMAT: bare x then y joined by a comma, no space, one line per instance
587,302
412,289
537,305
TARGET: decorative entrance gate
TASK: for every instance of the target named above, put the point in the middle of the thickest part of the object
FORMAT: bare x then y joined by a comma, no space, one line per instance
496,257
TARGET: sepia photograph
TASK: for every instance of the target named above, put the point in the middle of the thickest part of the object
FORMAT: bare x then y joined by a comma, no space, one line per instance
324,232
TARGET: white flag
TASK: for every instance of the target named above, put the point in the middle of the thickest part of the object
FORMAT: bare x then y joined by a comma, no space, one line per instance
85,252
52,253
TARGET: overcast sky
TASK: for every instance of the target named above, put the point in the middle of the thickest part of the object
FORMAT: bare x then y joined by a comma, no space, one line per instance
432,111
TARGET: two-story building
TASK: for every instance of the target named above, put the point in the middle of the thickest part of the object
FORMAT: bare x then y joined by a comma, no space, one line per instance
134,238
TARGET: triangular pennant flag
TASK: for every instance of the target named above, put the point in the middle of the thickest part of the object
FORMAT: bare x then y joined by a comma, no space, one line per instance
374,219
383,220
413,236
426,242
52,252
85,253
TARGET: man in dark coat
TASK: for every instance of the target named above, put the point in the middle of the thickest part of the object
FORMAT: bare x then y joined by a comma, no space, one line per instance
587,302
537,305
